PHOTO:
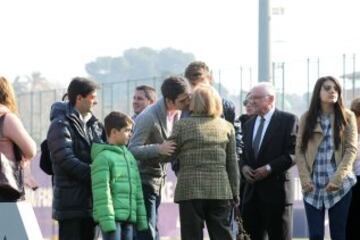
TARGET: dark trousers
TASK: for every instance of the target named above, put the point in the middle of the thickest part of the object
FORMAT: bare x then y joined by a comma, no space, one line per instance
337,219
124,231
267,221
193,214
77,229
352,227
152,203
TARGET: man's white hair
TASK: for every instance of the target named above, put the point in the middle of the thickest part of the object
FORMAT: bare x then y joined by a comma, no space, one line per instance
267,87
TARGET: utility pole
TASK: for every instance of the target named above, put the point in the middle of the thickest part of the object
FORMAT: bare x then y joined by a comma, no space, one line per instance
264,42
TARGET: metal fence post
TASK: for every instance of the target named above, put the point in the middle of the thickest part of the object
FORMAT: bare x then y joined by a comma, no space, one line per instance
344,77
353,76
241,89
308,81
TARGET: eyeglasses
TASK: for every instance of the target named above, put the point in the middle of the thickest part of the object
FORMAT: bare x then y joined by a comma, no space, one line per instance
245,102
254,97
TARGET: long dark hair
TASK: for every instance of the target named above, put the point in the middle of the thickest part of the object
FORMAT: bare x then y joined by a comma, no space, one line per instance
315,109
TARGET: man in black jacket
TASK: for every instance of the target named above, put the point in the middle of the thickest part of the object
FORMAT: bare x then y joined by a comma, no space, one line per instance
70,136
198,72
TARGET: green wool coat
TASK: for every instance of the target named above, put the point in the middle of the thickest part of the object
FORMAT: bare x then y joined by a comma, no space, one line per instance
116,187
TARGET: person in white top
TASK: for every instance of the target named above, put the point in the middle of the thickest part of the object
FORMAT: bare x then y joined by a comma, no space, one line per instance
12,132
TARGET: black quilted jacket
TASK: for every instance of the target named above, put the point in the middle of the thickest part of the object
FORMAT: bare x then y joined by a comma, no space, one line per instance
70,145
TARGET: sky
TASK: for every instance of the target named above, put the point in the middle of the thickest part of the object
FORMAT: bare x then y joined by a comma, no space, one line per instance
58,38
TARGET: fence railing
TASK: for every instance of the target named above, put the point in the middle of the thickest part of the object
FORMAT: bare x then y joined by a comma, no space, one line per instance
293,82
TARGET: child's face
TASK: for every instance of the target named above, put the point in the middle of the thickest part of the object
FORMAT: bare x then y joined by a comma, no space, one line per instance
123,135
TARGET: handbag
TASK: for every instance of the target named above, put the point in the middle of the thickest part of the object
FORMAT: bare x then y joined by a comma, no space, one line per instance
11,172
242,234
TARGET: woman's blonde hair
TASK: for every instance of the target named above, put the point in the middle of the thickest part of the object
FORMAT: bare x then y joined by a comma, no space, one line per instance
7,95
206,100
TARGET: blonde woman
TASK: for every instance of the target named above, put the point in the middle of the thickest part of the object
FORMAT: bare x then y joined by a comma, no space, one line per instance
12,132
208,179
325,152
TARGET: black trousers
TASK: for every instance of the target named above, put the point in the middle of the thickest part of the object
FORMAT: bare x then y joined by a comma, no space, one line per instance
77,229
352,228
267,221
193,214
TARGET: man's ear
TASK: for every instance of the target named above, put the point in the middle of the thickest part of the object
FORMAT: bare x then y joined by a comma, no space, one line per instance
272,98
169,102
113,131
78,98
210,78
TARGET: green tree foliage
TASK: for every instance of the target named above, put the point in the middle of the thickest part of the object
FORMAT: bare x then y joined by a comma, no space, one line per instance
139,63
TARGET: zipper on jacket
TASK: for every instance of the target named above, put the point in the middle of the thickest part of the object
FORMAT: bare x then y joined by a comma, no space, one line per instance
129,180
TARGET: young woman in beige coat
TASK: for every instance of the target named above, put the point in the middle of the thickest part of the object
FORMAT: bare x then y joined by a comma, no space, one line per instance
325,152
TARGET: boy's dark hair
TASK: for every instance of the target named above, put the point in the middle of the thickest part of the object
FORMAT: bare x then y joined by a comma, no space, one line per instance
173,86
193,70
116,120
80,86
150,92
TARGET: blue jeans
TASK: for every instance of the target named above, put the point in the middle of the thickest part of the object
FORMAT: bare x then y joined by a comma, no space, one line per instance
152,203
124,231
337,219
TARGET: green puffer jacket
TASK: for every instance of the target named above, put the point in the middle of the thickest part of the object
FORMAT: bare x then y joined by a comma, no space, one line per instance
116,187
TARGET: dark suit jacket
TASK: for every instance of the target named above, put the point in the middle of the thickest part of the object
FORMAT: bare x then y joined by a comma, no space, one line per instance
277,150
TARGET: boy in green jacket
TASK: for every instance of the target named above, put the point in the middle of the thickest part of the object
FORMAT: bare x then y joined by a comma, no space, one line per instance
116,186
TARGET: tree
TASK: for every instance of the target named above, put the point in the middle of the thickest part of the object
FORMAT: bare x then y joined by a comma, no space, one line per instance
31,83
139,63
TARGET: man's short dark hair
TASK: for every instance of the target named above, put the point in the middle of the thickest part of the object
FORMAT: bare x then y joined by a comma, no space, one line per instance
116,120
80,86
150,92
173,86
192,71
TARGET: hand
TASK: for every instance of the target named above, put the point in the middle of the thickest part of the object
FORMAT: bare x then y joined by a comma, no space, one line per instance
331,187
261,173
167,148
235,201
24,163
248,173
308,187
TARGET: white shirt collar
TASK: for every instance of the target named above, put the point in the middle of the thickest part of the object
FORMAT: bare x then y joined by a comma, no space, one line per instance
268,115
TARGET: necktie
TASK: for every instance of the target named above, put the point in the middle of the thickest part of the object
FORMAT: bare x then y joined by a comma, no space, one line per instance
256,143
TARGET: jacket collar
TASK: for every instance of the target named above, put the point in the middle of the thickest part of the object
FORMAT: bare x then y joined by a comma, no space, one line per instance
161,113
318,129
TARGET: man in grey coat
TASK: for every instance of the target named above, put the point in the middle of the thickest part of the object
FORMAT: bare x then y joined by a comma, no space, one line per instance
150,147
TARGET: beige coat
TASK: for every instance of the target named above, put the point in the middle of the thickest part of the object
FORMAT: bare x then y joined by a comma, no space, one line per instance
344,156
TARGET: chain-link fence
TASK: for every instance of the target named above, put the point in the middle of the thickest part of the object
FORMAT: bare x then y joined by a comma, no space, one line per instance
293,82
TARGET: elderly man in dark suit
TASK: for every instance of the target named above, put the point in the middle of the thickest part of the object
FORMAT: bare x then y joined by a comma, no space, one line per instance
269,145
